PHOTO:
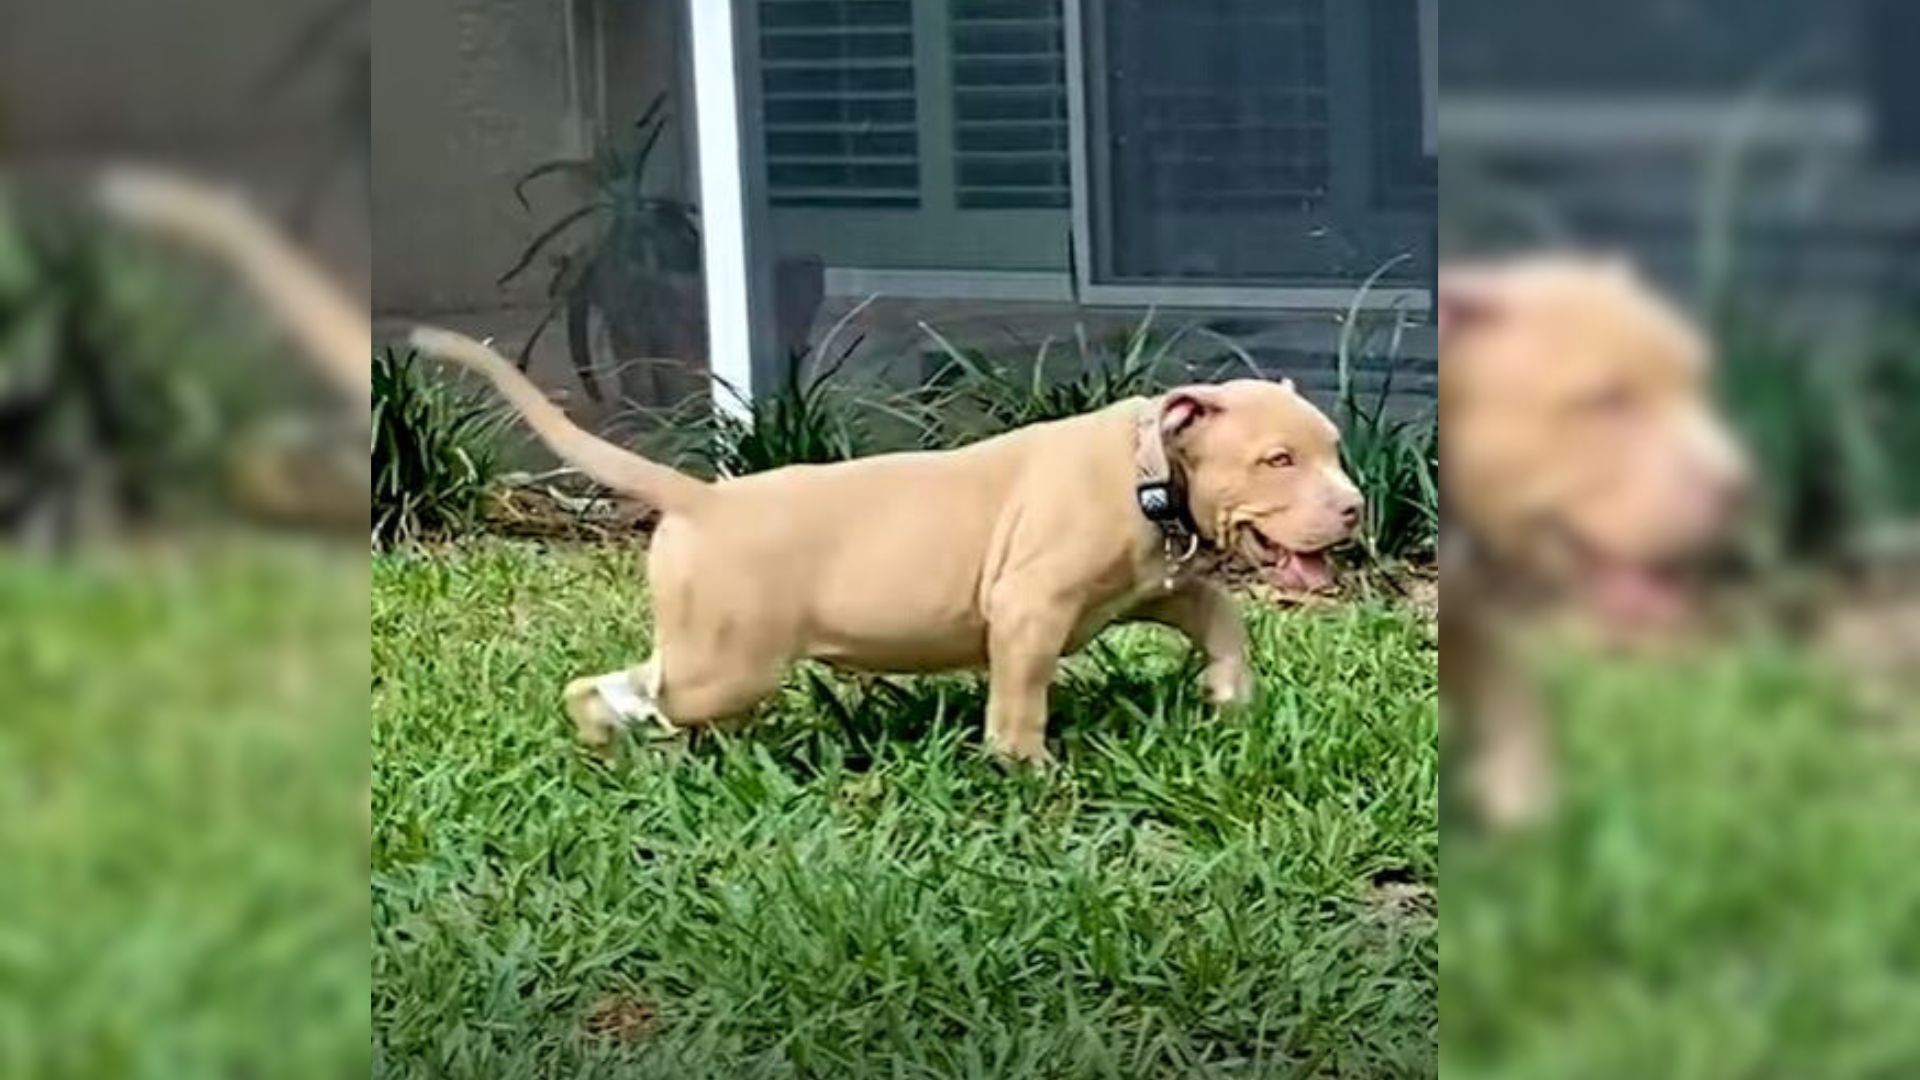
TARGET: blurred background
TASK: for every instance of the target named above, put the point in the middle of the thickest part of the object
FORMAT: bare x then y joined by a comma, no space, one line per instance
183,586
1723,890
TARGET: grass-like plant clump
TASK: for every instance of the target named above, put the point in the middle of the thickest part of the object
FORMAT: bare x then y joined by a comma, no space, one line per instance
1393,459
434,451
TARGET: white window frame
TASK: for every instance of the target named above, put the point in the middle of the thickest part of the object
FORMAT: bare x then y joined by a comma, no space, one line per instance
742,341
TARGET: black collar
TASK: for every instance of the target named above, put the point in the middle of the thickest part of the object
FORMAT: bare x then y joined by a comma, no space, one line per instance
1159,488
1164,502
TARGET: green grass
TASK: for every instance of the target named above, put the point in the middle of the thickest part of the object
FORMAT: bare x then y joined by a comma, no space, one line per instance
1730,890
182,768
847,888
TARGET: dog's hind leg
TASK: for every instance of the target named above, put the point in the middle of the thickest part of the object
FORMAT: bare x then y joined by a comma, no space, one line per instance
668,692
600,705
707,690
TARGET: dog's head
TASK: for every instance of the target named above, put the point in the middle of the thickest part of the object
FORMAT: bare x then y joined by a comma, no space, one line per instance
1582,448
1263,476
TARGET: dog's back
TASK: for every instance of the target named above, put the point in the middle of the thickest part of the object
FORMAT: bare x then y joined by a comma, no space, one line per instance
889,557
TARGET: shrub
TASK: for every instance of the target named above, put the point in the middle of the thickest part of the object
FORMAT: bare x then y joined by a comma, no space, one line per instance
434,453
988,394
807,420
814,417
1395,461
1830,432
627,252
123,381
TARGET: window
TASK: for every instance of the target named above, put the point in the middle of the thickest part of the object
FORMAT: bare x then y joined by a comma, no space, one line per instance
841,118
1255,143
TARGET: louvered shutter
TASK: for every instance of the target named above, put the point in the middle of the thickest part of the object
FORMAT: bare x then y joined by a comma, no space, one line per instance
841,121
1009,104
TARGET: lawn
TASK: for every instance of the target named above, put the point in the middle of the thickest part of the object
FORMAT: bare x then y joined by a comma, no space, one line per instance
182,812
1730,888
848,888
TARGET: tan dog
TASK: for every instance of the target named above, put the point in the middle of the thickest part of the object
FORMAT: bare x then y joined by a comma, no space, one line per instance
1009,552
1584,462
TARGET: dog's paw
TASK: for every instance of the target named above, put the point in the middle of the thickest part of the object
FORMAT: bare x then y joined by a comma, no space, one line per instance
593,719
1513,790
1228,684
1023,755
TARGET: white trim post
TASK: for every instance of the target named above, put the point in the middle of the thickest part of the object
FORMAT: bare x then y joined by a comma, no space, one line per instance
737,263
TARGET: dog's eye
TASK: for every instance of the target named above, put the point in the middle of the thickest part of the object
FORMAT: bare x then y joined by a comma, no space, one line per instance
1279,459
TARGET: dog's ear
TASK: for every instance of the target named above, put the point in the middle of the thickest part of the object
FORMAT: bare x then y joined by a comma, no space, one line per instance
1186,406
1468,298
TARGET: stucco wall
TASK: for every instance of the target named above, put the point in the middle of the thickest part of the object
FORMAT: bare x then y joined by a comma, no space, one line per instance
209,85
470,94
467,95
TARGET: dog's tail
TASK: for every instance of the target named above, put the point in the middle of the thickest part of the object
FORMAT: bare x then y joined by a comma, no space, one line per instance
333,328
666,489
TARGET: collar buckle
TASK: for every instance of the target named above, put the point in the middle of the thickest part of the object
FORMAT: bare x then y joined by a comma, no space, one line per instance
1158,502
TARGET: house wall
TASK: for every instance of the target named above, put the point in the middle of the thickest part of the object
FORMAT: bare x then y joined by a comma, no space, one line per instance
469,95
205,85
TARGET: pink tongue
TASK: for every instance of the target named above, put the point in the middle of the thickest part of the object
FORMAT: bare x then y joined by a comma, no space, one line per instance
1629,597
1296,572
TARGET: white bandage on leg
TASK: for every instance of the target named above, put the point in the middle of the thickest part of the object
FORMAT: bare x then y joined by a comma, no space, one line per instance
617,691
629,704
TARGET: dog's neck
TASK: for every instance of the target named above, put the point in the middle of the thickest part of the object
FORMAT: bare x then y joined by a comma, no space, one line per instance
1160,492
1160,488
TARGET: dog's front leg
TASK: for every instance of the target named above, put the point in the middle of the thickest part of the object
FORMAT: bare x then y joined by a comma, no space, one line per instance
1025,638
1208,616
1509,765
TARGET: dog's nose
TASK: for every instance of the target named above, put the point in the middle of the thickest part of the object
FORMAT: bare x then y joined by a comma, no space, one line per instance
1350,513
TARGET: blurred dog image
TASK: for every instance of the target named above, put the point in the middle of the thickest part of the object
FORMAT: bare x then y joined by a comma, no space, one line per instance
1585,469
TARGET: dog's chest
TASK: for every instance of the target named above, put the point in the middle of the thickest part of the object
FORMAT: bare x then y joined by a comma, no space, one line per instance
1102,613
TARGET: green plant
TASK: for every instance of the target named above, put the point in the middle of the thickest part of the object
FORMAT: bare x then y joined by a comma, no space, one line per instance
122,382
807,420
634,258
1830,431
433,452
1886,396
1002,397
814,416
1394,460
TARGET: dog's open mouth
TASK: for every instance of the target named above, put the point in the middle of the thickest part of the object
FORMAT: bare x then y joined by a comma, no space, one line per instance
1638,596
1634,594
1284,568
